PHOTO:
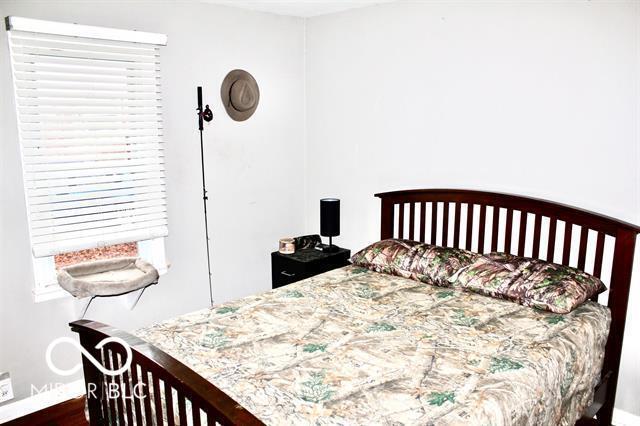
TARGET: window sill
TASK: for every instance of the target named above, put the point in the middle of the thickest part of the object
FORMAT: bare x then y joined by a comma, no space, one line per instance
54,291
50,292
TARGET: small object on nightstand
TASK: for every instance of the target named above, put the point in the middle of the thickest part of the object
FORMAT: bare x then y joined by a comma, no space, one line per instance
305,263
329,223
287,246
307,241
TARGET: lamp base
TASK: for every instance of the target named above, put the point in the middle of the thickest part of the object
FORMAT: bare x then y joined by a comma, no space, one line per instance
327,248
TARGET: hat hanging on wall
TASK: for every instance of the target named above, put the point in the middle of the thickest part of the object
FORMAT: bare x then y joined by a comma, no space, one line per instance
240,94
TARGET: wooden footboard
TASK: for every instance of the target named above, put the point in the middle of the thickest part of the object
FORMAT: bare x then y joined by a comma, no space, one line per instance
156,389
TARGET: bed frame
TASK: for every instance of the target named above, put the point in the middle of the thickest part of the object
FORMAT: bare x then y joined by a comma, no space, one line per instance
474,220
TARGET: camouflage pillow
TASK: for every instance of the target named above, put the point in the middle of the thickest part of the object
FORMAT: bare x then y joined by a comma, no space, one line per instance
558,288
435,264
530,282
489,276
384,256
411,259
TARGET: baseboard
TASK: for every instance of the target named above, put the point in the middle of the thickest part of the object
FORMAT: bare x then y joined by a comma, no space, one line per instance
624,418
41,401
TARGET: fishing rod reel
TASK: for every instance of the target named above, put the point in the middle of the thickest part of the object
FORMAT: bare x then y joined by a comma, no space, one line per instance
203,115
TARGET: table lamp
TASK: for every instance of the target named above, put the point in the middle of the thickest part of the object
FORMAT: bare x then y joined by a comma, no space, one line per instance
329,222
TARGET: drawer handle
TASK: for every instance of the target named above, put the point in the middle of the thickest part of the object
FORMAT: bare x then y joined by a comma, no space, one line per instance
286,274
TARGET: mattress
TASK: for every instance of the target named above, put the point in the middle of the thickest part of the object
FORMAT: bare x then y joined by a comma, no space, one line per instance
353,346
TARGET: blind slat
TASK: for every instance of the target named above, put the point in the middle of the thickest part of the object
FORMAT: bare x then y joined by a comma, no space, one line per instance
87,102
93,187
61,214
87,110
99,194
108,238
78,125
77,78
83,158
39,85
87,70
108,164
92,217
96,150
71,205
119,95
72,134
98,231
102,222
63,174
97,142
87,119
84,62
69,181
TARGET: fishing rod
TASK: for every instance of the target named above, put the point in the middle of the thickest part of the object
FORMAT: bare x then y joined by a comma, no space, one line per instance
205,115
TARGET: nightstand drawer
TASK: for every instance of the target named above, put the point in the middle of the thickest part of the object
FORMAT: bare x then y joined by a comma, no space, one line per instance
284,277
305,263
285,270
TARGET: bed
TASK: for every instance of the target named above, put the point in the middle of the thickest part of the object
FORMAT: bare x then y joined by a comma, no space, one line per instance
354,346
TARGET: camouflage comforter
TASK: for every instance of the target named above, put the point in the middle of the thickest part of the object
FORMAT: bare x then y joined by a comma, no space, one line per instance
358,347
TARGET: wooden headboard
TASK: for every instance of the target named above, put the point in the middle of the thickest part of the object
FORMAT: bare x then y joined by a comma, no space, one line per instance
486,221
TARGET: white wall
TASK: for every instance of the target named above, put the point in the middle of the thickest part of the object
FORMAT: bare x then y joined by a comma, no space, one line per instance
536,98
253,200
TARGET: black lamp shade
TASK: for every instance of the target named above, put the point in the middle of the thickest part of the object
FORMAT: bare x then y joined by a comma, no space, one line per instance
329,217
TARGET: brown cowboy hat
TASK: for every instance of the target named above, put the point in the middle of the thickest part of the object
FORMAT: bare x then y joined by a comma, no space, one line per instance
240,94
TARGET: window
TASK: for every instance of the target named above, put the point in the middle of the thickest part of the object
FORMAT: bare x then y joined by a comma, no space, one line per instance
89,111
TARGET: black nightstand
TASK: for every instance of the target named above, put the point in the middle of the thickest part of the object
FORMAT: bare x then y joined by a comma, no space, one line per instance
305,263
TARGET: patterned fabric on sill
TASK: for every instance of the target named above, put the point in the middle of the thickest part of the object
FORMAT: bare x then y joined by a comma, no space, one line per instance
353,346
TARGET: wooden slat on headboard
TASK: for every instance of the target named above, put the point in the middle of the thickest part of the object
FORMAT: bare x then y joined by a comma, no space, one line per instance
574,220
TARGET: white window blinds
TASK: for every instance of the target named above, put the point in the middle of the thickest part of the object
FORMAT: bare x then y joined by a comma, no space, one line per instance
89,107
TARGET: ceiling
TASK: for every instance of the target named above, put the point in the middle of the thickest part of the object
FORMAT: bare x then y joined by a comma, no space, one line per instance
301,8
